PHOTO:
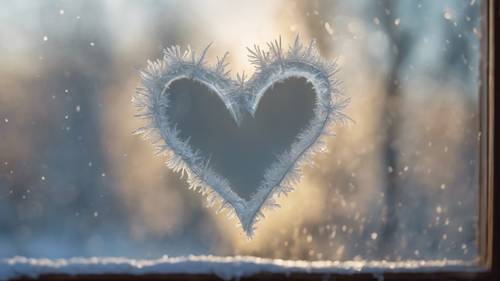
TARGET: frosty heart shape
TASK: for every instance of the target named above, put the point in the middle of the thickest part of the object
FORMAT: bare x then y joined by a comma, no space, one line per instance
240,142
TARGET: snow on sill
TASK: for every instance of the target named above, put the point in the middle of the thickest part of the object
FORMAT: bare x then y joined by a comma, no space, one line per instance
224,267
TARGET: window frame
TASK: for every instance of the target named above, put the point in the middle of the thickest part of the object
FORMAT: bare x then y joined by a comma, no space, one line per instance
489,241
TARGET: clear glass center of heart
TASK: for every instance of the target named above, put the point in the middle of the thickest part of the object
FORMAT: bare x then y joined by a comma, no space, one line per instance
241,154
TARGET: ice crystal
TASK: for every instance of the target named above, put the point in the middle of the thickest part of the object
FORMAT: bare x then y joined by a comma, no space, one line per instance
272,64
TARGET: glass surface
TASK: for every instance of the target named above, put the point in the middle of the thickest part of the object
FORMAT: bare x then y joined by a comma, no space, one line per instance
401,182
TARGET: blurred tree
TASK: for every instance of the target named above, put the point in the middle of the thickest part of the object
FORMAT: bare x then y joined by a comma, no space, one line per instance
77,61
400,42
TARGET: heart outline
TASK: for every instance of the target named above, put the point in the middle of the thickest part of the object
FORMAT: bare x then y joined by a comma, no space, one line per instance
272,66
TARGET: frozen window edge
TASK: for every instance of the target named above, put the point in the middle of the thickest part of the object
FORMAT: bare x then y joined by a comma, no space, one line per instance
224,267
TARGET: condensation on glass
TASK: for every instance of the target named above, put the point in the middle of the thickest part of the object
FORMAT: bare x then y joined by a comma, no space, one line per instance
404,181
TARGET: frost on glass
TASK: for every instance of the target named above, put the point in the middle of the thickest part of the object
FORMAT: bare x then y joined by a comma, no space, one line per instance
399,187
172,110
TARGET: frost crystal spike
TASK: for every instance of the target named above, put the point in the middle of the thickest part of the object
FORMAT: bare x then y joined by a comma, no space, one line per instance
240,96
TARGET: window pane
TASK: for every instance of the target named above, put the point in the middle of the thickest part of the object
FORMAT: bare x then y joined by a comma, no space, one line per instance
399,183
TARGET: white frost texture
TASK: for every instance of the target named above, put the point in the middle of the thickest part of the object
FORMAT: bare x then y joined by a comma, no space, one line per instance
272,65
226,268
